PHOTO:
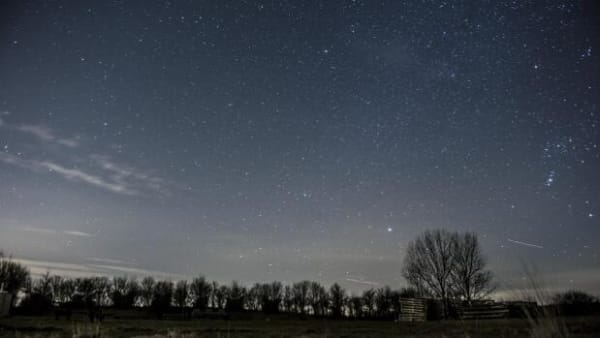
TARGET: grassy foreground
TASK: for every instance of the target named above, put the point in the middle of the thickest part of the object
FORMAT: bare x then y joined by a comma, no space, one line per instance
79,327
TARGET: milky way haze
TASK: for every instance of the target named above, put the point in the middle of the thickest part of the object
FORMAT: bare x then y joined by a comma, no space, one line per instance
290,140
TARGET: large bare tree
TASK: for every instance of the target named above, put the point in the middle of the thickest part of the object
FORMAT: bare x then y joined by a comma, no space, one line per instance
470,279
430,262
448,265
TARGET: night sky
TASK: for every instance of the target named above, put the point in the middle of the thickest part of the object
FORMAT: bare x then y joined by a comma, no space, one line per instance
291,140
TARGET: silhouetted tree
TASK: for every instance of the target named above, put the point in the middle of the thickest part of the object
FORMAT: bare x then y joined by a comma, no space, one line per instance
253,298
355,306
13,276
408,292
101,290
368,298
200,291
288,299
271,295
147,290
181,294
384,302
300,291
574,297
430,262
85,289
38,296
577,303
162,297
235,298
470,279
214,291
317,299
337,297
124,292
64,289
221,296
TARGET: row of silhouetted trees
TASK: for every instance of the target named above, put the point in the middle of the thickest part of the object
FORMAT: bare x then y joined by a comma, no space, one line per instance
441,265
160,296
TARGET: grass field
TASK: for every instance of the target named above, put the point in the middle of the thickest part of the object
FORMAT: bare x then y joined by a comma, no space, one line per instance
79,327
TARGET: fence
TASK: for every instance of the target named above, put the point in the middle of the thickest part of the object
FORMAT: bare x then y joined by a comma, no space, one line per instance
412,310
482,310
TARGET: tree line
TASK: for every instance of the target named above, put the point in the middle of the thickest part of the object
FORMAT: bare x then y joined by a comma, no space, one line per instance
441,265
199,294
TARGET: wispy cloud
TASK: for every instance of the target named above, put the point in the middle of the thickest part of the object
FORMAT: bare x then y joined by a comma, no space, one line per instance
48,231
364,282
108,260
78,233
68,269
45,134
127,175
78,175
137,271
101,172
44,231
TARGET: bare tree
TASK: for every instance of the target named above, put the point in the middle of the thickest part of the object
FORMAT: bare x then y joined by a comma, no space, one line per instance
147,290
124,292
368,298
300,291
13,276
430,262
181,294
101,290
214,291
470,279
288,298
200,290
355,305
162,297
270,295
63,289
235,298
253,298
384,302
221,295
337,296
317,298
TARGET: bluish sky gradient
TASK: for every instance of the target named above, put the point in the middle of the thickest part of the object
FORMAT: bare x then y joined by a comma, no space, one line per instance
290,140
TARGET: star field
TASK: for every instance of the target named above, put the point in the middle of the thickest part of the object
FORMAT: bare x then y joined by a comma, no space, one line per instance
284,140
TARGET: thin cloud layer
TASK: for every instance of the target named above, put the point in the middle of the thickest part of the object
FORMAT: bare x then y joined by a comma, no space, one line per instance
45,134
78,233
97,170
69,269
48,231
77,175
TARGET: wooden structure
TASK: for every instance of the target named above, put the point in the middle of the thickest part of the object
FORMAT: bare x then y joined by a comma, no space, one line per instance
523,309
412,310
482,310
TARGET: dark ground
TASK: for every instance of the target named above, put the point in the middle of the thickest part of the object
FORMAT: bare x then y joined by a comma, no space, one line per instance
281,327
